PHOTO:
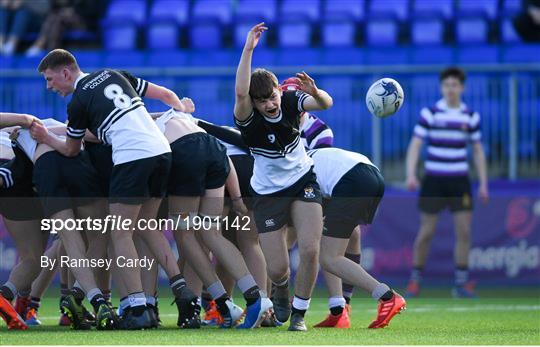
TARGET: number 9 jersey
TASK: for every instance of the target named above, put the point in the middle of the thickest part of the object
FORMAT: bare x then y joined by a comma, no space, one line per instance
108,103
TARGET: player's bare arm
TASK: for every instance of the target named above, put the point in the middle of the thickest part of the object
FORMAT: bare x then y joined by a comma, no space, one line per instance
242,105
69,147
319,100
165,95
481,169
61,131
413,152
16,119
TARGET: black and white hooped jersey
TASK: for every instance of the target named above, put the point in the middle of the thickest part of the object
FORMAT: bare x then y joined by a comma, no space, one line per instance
280,157
331,164
108,103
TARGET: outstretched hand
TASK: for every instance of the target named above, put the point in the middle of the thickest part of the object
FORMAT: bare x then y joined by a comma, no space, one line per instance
254,35
189,106
307,84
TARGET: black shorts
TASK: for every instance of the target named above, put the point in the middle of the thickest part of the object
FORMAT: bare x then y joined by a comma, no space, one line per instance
19,202
439,192
199,162
272,211
355,200
64,183
136,181
243,164
101,158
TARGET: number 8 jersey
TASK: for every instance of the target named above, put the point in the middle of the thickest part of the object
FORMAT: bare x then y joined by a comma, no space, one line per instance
108,103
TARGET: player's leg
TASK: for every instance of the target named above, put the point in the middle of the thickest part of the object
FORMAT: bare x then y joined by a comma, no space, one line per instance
28,242
274,248
307,218
40,285
248,243
149,277
462,225
422,243
352,253
229,256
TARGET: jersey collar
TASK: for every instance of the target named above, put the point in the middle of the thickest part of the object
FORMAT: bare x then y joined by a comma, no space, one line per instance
274,120
81,76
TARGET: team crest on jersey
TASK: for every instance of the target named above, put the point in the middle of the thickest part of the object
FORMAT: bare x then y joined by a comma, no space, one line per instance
272,138
269,223
309,193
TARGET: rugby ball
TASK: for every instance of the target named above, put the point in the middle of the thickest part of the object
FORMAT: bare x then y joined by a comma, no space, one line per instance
384,97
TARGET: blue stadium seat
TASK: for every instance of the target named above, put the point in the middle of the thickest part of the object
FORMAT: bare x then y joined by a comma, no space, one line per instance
206,34
488,8
427,30
265,10
471,30
398,8
219,10
381,31
309,9
162,34
355,9
176,10
478,54
209,17
338,30
119,34
294,31
221,57
508,32
444,8
132,9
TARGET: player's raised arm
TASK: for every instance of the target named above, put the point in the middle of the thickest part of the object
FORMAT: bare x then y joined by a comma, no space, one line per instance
318,99
242,105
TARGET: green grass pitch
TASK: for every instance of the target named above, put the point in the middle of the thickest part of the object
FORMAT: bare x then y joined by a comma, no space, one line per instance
436,320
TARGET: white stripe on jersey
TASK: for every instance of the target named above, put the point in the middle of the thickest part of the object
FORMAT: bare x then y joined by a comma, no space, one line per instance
331,164
272,174
448,134
7,177
449,153
420,131
115,114
277,153
446,167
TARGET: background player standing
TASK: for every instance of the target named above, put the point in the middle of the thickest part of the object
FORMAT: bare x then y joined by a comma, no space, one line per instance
448,127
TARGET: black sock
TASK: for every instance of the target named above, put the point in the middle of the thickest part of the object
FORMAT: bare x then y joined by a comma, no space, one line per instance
7,293
347,300
252,295
177,283
336,310
222,306
34,303
96,301
387,296
78,294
